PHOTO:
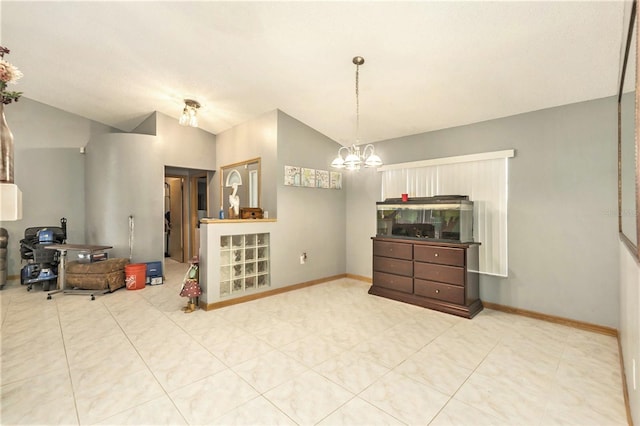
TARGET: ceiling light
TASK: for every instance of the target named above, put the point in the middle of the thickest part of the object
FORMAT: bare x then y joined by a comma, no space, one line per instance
353,158
189,115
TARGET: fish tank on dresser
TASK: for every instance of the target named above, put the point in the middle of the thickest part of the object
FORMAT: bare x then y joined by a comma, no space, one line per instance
447,218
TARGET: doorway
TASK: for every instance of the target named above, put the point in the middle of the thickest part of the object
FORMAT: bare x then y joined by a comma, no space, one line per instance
173,218
187,195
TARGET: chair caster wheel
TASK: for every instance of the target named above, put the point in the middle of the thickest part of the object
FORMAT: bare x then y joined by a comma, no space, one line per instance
29,288
48,297
93,297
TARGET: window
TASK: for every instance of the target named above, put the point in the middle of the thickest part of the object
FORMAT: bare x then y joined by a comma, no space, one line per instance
483,177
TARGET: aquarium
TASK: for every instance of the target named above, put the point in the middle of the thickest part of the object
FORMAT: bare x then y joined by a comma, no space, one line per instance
443,218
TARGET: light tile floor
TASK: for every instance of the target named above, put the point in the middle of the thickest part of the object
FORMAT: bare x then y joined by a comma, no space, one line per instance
329,354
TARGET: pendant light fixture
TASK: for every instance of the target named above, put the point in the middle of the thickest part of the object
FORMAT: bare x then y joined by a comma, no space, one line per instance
189,115
351,157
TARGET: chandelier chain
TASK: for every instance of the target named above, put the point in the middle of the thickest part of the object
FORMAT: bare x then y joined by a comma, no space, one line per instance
357,103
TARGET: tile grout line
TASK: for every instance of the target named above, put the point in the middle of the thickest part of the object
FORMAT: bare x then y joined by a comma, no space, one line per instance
452,397
66,355
126,335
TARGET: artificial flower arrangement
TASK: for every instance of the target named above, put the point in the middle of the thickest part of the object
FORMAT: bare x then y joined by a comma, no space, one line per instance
9,73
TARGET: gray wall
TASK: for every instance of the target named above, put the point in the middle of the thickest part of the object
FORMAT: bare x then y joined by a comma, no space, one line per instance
563,245
310,220
363,190
562,225
188,147
125,177
257,137
49,170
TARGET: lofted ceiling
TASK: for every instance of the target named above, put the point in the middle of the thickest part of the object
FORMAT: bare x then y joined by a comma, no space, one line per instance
429,65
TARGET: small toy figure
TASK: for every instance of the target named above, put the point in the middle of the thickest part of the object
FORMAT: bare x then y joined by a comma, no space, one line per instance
191,287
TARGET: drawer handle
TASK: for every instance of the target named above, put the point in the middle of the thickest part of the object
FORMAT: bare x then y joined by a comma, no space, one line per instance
437,291
436,255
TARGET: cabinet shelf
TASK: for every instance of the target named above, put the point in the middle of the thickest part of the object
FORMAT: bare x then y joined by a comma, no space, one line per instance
244,263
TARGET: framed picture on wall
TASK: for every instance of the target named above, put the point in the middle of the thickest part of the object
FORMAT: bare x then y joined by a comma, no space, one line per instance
308,177
322,179
292,176
336,180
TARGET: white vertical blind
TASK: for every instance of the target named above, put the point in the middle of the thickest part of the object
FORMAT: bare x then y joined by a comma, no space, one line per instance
486,184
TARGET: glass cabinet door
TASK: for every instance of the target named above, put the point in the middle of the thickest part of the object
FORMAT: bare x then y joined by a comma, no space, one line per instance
244,263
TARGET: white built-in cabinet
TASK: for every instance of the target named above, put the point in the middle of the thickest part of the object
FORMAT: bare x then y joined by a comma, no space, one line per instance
244,263
235,258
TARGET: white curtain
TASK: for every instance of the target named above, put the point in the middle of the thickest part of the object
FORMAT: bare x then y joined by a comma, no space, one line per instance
486,184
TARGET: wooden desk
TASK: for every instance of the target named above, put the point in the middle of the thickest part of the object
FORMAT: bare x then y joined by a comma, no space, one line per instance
63,248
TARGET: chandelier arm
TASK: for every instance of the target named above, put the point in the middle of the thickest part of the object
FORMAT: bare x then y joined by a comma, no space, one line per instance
340,150
364,151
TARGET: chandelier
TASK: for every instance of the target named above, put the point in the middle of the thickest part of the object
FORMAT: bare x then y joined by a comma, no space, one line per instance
351,157
189,115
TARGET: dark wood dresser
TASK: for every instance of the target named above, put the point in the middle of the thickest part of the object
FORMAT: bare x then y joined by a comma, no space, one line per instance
434,275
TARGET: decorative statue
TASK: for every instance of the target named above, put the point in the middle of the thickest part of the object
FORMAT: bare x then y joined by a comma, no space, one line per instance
234,202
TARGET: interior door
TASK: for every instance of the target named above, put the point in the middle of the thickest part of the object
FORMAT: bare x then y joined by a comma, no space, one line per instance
199,208
174,219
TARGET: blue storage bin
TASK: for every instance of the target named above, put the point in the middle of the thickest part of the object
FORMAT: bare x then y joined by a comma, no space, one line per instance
154,273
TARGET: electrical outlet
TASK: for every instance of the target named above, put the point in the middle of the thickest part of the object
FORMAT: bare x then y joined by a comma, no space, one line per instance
303,258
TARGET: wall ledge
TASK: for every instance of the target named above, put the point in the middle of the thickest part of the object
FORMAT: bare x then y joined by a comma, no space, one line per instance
223,221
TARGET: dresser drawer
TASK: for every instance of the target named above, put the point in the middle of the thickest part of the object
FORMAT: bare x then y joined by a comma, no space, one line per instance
393,266
441,255
441,273
440,291
397,250
393,282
